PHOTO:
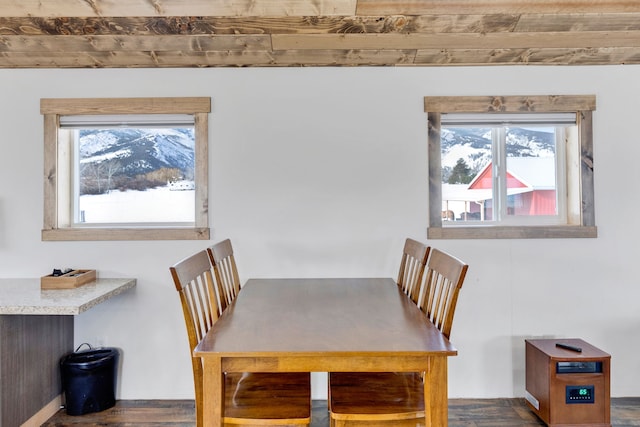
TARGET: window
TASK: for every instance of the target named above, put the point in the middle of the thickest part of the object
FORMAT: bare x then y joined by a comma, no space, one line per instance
510,167
126,169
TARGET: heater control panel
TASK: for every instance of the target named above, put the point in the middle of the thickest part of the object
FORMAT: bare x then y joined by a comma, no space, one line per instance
579,394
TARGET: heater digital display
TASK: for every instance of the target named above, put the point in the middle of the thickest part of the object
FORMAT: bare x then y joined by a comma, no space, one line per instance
579,394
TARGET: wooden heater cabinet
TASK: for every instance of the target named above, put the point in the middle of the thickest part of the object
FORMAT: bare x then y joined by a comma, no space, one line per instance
567,387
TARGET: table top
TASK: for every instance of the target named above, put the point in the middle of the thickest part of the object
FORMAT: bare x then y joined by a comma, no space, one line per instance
311,317
24,296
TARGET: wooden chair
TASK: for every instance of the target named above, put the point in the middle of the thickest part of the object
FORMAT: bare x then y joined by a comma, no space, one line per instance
225,270
414,259
443,280
250,398
397,398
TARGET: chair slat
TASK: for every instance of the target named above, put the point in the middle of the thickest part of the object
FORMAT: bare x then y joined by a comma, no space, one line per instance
225,270
443,281
412,264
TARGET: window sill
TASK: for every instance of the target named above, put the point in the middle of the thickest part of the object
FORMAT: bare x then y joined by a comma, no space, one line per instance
97,234
525,232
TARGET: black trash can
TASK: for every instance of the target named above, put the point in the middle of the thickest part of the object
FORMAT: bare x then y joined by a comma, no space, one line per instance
89,380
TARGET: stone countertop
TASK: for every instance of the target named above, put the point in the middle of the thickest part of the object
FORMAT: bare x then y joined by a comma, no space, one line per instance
24,296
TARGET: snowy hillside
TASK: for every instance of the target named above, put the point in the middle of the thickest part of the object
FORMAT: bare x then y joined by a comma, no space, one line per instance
473,145
139,151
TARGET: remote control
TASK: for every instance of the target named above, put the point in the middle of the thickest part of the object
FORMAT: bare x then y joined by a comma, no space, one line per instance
569,347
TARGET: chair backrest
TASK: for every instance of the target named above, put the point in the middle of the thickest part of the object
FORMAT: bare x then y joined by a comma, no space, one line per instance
225,270
444,276
194,283
414,259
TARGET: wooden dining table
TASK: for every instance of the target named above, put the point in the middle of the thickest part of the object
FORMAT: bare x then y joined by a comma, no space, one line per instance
324,325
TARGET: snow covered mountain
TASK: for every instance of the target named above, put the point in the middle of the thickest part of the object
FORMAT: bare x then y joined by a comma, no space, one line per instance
139,151
473,145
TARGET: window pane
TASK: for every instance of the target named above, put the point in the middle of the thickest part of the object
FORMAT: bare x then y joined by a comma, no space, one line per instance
531,171
134,175
466,174
477,188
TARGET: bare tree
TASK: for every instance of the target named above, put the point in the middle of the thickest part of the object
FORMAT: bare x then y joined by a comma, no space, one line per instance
110,168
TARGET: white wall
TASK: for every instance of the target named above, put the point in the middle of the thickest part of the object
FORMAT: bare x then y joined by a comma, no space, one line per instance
323,172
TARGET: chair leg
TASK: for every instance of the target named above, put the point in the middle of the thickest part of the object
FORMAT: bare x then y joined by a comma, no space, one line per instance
199,408
199,416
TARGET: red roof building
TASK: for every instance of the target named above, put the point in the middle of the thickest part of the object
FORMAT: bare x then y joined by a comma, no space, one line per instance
531,190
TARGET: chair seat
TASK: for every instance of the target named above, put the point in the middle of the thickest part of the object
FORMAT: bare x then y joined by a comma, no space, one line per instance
267,398
376,395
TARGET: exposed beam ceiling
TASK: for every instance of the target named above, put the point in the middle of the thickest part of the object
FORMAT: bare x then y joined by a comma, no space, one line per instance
212,33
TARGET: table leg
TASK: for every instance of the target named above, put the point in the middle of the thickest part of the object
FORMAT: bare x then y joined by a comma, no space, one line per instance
436,395
213,393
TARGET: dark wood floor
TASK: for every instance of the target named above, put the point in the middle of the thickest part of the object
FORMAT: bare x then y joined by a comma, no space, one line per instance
625,412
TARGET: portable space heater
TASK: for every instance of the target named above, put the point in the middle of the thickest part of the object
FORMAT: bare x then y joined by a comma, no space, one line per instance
567,382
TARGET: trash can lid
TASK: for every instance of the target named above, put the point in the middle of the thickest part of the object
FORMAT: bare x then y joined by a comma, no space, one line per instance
89,357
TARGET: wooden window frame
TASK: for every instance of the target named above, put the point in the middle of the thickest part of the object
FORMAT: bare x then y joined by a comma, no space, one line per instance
52,109
582,105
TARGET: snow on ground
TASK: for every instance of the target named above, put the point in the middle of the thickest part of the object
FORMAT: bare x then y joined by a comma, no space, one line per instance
153,205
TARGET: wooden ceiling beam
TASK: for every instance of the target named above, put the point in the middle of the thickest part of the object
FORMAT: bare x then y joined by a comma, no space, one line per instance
557,56
422,57
176,25
578,22
206,33
231,8
65,44
266,8
140,59
595,39
192,25
470,7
